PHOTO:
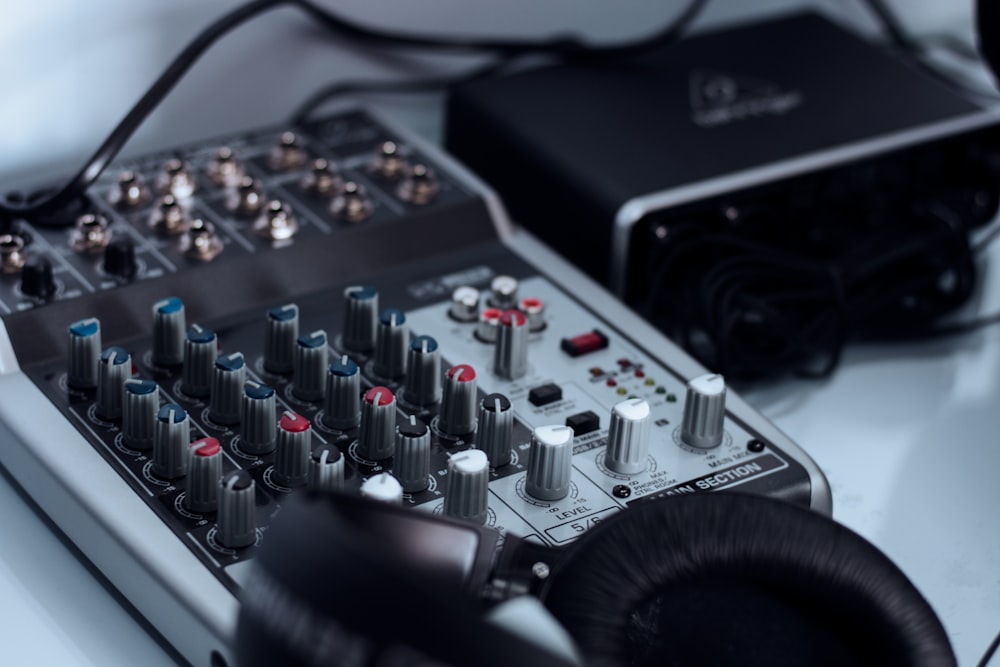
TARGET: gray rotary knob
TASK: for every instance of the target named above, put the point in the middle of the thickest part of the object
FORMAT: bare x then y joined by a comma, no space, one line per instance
495,431
392,338
458,401
114,367
550,462
467,494
377,439
464,304
412,457
326,469
140,403
423,378
628,437
704,411
258,419
237,520
503,292
279,338
291,459
382,487
84,353
360,315
510,356
228,377
342,405
311,360
201,347
170,445
169,332
204,473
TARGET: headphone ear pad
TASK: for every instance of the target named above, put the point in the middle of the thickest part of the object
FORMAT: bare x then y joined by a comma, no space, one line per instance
988,27
730,579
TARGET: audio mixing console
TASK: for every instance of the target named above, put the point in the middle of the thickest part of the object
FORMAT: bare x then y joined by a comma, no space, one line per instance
338,306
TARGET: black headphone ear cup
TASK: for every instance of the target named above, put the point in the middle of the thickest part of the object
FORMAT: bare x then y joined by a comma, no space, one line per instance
730,579
988,27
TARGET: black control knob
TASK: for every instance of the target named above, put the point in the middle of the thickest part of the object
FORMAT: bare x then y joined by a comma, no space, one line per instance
228,377
168,332
204,472
119,258
495,431
114,367
423,378
84,353
326,469
392,338
360,314
291,459
36,278
201,347
170,445
258,419
279,338
458,402
311,360
342,404
377,439
237,525
140,403
412,458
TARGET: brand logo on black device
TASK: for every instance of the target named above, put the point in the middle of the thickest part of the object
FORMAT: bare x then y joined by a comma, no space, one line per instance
721,98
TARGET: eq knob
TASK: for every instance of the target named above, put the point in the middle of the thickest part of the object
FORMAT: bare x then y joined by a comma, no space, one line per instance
114,367
37,279
704,411
311,361
204,473
468,486
503,292
228,377
458,402
464,304
168,332
84,353
237,520
412,458
422,386
510,356
171,441
550,462
258,419
201,347
119,258
326,469
140,403
628,437
495,431
392,337
360,314
280,338
291,459
378,424
382,487
342,405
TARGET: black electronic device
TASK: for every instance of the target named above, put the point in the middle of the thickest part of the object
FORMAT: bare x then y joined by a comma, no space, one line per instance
793,134
337,305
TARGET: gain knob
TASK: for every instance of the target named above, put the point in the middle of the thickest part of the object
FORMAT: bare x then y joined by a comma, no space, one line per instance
392,337
464,304
467,495
495,431
228,377
288,153
291,459
376,441
510,356
326,469
342,406
176,179
201,347
114,367
130,191
412,457
119,259
311,361
204,472
360,315
458,402
503,292
171,441
420,186
258,419
704,411
628,437
36,278
84,353
237,520
352,203
169,218
382,487
277,222
140,403
389,162
423,379
550,462
225,168
322,180
279,338
168,332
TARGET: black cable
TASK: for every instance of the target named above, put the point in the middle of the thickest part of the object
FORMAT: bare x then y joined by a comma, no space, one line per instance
50,202
892,27
989,652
